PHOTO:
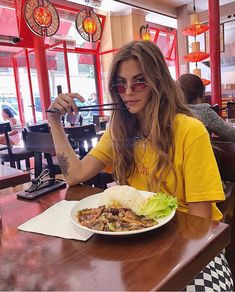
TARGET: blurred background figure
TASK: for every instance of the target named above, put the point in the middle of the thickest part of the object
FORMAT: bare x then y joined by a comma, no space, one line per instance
73,120
194,91
92,99
8,116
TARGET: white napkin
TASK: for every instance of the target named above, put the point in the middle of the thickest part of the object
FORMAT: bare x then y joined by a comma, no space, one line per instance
55,221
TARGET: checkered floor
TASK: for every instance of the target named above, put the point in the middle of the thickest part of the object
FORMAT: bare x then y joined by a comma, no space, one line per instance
215,277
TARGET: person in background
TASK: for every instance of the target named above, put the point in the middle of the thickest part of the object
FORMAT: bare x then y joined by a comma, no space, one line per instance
194,91
72,119
14,135
153,144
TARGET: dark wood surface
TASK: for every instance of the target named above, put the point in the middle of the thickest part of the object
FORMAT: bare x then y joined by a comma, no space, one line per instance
10,176
164,259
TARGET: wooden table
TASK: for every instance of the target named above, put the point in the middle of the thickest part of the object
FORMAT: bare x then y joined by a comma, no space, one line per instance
10,176
164,259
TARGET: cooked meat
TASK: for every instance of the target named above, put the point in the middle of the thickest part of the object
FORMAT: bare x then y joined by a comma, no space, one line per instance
113,219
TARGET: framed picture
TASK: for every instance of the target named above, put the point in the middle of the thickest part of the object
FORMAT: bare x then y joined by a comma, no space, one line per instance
207,40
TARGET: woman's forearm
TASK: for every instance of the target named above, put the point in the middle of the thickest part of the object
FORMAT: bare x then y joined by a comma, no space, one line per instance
67,158
202,209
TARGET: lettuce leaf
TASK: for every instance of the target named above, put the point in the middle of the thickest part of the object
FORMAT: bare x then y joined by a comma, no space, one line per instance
159,205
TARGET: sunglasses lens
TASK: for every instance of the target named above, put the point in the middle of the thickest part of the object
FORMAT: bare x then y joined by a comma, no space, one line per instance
138,86
119,88
135,87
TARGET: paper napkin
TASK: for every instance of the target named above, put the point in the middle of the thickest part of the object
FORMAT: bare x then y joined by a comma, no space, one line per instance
56,221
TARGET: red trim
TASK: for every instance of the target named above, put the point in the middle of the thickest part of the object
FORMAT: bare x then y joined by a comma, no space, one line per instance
30,85
214,36
42,72
66,63
177,66
107,52
18,94
156,36
99,82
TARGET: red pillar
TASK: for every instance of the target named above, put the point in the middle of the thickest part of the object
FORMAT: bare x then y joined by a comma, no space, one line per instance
214,34
42,73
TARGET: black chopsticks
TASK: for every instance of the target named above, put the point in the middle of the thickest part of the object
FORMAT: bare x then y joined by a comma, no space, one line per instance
95,107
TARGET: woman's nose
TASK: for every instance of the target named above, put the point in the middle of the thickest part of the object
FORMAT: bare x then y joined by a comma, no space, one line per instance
129,89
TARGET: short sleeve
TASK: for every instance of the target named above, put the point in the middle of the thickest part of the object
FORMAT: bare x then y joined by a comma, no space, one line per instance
103,150
202,178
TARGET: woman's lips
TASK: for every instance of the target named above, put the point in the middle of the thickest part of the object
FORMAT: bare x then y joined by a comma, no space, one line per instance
131,102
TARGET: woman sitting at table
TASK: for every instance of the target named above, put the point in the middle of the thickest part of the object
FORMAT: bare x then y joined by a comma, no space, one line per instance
14,134
194,91
154,144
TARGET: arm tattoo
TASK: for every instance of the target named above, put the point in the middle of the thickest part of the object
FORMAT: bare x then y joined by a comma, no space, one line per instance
64,164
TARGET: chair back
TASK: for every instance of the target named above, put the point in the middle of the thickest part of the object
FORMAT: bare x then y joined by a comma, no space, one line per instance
5,128
40,142
82,135
43,128
230,110
96,119
225,157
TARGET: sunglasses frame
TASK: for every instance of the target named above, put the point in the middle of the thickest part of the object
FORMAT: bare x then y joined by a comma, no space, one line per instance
131,85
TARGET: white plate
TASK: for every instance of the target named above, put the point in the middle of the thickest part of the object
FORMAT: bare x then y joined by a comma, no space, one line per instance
94,202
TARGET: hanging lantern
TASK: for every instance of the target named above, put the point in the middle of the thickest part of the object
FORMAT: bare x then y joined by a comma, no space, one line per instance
198,73
41,18
206,81
196,55
88,25
195,27
145,33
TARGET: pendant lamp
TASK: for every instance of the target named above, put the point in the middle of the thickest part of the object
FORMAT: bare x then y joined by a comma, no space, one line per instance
89,25
41,17
196,28
196,55
145,33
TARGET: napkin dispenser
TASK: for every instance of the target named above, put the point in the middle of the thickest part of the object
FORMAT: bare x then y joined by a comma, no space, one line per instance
41,186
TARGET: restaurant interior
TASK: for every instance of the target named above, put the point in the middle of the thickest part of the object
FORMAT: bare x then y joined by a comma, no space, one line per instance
48,47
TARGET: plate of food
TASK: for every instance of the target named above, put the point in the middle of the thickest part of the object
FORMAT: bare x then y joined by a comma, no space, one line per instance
123,210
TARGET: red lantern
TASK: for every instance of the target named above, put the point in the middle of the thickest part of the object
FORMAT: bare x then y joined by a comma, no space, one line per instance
205,81
196,56
195,29
89,25
42,16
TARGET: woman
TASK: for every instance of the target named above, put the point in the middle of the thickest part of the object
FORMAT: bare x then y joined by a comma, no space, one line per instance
194,90
8,116
154,144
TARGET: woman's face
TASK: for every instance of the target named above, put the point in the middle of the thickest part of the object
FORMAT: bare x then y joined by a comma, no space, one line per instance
130,77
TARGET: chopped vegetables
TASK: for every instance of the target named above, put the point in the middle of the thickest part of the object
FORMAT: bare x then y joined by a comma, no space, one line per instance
113,219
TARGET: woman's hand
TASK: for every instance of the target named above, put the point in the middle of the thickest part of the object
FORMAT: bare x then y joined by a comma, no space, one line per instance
65,103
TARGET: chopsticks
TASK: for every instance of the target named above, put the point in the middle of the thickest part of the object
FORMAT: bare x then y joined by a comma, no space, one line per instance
94,107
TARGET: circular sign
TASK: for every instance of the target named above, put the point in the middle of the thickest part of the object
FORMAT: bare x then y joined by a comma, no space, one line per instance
42,16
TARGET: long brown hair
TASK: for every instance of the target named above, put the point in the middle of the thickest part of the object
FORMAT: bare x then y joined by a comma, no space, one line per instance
166,100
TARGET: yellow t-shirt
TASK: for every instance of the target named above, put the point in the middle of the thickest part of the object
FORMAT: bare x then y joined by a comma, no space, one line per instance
198,177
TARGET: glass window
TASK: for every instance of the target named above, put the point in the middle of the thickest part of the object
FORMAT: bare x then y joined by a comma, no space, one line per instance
56,71
83,81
